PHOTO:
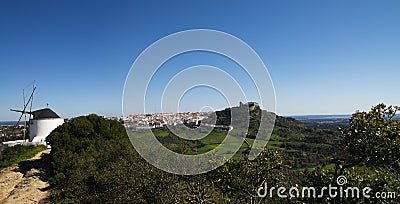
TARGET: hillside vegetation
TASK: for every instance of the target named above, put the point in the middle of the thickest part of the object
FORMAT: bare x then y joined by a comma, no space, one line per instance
18,153
94,162
301,145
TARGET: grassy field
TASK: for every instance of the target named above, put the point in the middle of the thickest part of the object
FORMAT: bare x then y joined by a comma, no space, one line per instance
302,146
18,153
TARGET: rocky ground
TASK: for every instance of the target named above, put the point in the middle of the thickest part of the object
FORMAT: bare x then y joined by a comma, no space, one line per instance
26,182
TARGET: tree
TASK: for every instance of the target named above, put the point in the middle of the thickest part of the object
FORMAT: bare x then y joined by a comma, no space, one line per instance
372,144
373,137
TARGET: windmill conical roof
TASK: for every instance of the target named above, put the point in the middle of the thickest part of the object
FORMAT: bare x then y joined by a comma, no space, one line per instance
44,113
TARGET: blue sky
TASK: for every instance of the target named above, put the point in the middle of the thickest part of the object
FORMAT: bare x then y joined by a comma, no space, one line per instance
324,57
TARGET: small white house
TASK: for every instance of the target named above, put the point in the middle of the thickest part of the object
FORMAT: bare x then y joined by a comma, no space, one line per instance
13,143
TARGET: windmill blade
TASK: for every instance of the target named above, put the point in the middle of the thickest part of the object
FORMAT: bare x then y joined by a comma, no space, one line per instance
33,87
19,118
23,94
25,105
20,111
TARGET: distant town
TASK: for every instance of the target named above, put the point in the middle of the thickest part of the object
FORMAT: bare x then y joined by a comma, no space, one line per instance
138,121
8,130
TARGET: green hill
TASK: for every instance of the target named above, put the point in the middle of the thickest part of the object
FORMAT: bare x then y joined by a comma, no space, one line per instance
302,145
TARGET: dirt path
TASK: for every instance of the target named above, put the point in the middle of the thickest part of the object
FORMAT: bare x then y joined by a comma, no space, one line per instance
26,182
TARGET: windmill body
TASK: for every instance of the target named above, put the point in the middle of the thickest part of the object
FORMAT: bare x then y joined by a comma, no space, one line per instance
43,122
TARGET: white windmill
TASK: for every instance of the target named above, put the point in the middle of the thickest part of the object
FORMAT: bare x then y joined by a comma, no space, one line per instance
41,122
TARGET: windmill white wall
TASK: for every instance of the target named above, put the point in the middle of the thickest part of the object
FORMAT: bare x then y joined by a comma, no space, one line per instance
44,121
40,128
